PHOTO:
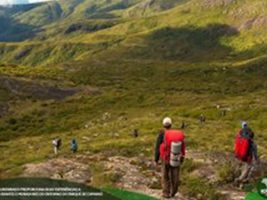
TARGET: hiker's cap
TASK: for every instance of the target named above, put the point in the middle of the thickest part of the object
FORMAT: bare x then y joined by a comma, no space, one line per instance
244,124
167,121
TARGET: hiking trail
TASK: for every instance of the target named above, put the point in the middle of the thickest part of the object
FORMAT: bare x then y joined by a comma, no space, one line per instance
137,174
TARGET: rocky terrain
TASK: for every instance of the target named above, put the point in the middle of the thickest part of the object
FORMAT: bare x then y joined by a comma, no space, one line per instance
137,174
98,70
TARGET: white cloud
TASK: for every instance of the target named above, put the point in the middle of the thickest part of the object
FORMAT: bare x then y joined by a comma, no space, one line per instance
10,2
36,1
4,2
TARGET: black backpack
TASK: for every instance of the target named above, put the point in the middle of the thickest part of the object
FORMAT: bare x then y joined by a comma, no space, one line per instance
58,143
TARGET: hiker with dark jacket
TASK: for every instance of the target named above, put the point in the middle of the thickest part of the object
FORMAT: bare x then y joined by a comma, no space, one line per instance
168,141
74,146
202,119
135,133
246,153
183,126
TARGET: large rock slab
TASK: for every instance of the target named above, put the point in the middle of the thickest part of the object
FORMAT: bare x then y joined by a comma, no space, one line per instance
59,168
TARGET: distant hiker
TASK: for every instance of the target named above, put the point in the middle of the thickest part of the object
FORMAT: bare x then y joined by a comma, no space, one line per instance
56,144
202,119
223,113
74,146
246,153
183,126
170,149
135,133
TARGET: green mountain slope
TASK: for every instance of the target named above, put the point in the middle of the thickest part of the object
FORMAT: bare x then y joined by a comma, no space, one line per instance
149,7
189,30
196,48
125,67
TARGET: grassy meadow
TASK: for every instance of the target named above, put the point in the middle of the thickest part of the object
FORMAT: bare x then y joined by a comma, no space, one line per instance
198,57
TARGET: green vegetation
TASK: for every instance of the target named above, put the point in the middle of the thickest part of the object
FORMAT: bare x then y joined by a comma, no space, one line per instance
254,195
123,194
196,187
180,60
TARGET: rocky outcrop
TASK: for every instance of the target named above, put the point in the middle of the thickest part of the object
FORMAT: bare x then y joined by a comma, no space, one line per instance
215,3
59,168
259,21
137,174
145,7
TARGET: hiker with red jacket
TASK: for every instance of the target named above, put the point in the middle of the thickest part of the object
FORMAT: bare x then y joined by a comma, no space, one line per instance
246,152
170,149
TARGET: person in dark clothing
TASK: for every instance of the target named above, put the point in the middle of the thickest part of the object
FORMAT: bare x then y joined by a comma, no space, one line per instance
74,146
202,119
170,173
183,126
223,113
158,143
135,133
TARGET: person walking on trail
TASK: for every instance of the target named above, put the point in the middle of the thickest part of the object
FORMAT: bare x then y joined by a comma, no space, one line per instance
202,119
135,133
74,146
246,153
170,150
56,144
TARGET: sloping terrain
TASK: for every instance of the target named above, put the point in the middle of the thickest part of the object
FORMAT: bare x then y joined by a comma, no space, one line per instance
97,70
177,34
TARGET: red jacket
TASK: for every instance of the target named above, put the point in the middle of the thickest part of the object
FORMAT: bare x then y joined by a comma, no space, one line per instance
169,137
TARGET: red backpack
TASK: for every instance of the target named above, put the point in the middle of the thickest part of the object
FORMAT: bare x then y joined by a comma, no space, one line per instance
169,137
242,146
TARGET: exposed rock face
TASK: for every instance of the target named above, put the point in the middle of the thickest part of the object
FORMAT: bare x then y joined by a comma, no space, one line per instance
259,21
59,168
214,3
135,174
132,176
155,5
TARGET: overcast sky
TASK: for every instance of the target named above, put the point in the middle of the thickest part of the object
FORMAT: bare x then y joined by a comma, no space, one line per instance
4,2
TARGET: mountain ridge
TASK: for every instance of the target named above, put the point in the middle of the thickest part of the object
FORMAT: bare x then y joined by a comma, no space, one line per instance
126,29
126,66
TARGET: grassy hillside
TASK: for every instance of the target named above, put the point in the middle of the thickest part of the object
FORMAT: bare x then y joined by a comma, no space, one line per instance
129,68
218,33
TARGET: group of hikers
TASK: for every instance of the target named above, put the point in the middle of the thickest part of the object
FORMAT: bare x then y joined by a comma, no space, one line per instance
170,151
57,143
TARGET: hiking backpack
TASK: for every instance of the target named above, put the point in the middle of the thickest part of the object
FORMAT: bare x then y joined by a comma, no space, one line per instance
172,137
59,143
242,145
